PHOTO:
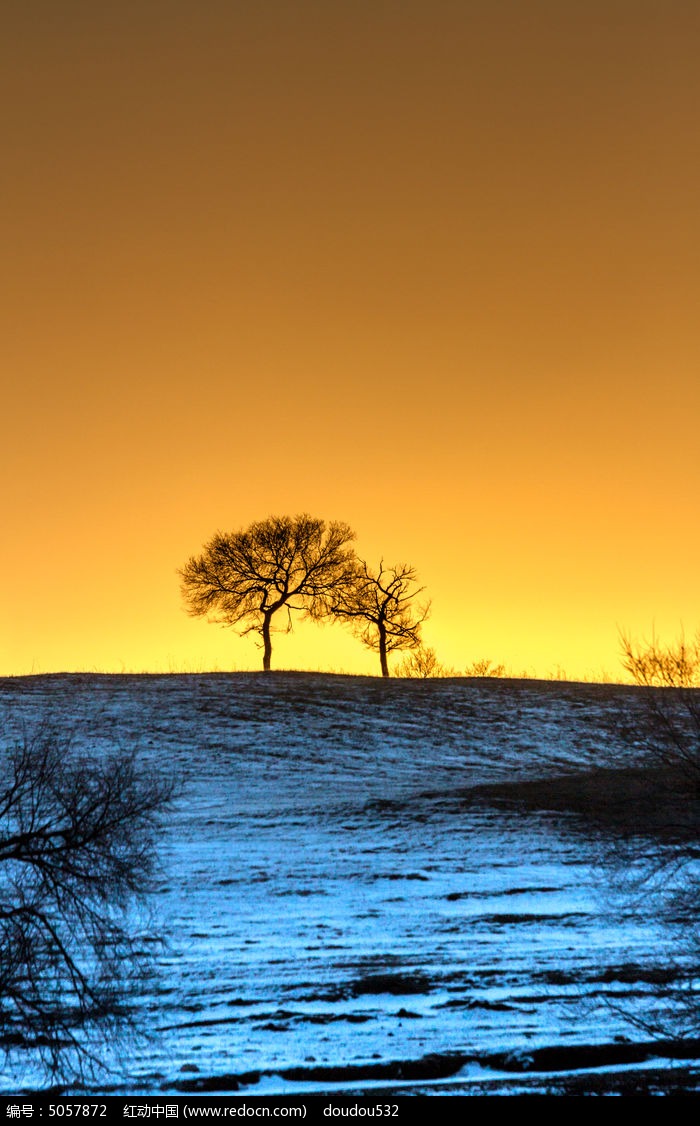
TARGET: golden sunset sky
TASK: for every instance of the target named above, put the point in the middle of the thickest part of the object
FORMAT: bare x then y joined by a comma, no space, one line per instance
430,268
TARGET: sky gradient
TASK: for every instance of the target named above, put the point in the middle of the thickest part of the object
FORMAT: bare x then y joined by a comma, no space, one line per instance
432,269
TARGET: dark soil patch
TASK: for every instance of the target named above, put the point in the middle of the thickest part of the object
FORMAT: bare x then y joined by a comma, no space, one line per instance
659,801
395,984
429,1068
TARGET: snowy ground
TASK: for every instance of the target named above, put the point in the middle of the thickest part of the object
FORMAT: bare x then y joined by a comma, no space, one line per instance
344,910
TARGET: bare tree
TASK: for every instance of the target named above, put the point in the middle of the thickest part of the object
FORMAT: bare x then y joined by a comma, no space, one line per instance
244,578
76,859
666,724
669,676
380,608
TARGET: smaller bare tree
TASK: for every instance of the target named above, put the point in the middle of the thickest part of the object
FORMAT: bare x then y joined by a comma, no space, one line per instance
380,608
77,856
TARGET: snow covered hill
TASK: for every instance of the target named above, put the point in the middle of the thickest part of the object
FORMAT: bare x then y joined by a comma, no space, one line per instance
346,904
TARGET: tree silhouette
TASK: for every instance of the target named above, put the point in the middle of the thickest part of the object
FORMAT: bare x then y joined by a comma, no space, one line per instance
76,856
666,723
380,608
669,676
244,578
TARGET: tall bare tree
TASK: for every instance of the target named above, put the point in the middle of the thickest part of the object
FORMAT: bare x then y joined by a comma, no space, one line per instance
380,608
77,854
287,563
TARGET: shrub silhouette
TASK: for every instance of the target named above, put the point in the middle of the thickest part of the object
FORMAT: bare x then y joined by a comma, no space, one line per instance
485,667
423,664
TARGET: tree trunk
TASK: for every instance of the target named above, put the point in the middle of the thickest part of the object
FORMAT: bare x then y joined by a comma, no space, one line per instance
267,642
382,652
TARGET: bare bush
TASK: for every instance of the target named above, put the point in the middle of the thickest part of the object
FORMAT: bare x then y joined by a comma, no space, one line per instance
669,677
484,667
423,664
77,860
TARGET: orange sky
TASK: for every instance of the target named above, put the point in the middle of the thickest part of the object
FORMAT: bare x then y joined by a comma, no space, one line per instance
432,269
